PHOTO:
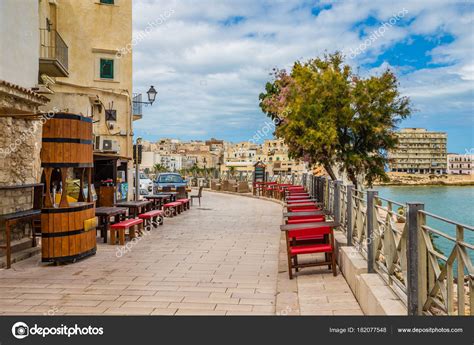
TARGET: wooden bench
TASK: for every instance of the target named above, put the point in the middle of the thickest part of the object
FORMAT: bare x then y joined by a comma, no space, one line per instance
172,208
186,203
152,217
14,218
130,224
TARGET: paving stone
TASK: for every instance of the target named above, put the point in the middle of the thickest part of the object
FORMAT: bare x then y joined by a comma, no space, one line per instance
224,260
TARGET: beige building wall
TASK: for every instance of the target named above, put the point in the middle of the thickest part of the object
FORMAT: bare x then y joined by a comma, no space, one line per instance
95,31
19,56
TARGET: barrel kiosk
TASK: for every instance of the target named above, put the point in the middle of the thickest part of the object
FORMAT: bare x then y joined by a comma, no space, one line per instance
68,229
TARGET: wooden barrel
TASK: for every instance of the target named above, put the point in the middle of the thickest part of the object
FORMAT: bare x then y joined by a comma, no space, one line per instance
67,234
67,141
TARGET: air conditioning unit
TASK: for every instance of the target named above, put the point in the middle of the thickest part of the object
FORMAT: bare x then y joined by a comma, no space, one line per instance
106,145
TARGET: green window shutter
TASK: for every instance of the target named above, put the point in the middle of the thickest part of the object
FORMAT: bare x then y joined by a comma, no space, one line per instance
106,69
110,2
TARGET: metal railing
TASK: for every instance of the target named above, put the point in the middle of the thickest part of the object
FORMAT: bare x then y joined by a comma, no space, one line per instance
398,242
446,285
52,46
390,244
137,105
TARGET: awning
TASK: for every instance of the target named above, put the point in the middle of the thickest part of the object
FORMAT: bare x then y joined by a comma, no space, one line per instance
98,156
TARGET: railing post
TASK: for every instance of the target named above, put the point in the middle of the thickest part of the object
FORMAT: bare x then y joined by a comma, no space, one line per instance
350,189
413,265
316,188
337,201
321,191
371,217
292,178
303,178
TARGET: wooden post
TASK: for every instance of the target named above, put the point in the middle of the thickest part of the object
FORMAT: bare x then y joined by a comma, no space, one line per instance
422,265
371,217
8,243
460,272
412,258
350,189
337,201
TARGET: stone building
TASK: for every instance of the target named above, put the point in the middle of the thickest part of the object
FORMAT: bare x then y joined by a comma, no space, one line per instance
86,69
419,152
20,121
460,164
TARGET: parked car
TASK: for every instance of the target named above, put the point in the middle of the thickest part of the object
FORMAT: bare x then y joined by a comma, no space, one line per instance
145,183
172,180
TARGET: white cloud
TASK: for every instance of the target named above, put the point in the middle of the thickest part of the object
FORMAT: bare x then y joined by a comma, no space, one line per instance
209,76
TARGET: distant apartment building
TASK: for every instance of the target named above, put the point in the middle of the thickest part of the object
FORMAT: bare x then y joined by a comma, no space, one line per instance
460,164
419,151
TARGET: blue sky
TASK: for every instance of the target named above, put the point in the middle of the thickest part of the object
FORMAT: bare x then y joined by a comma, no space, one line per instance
209,60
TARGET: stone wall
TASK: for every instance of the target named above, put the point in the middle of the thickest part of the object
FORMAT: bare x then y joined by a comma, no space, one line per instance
20,145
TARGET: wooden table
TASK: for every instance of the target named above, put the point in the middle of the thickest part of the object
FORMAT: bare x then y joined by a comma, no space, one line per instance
302,204
12,219
288,227
158,199
303,214
171,194
105,214
135,207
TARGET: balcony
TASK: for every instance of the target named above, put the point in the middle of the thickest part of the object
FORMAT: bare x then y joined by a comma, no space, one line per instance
53,54
137,107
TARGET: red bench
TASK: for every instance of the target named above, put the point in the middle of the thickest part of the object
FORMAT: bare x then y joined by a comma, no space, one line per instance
312,231
152,217
186,203
173,208
130,225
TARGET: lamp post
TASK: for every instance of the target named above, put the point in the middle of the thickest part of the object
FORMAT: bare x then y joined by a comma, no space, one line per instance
137,169
151,96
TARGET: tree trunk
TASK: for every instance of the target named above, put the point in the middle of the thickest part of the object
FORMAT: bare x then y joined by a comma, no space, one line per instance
352,177
329,170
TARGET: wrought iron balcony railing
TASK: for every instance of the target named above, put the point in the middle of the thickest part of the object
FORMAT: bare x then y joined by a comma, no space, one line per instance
137,106
54,60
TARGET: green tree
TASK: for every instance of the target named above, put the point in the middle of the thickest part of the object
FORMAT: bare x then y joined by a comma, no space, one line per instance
158,168
330,116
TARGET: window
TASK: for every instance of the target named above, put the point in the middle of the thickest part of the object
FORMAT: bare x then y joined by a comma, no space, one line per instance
106,69
170,179
108,2
110,115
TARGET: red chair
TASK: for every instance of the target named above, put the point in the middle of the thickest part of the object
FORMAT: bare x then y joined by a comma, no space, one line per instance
301,220
295,248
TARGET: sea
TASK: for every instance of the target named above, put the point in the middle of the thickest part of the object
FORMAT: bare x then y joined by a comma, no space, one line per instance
452,202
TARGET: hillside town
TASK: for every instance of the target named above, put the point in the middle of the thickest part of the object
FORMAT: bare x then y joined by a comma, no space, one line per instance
218,157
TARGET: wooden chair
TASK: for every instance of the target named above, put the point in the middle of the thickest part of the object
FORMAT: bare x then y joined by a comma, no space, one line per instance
295,248
198,196
182,194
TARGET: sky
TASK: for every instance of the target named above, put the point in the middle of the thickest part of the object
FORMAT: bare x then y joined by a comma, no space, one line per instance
210,60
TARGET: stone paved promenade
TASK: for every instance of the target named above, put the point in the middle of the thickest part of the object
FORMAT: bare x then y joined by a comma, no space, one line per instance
217,259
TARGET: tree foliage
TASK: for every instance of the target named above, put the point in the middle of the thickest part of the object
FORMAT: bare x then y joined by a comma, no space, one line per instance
331,116
158,168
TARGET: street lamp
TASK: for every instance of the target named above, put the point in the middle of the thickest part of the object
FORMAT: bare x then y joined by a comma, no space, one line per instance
151,97
151,94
